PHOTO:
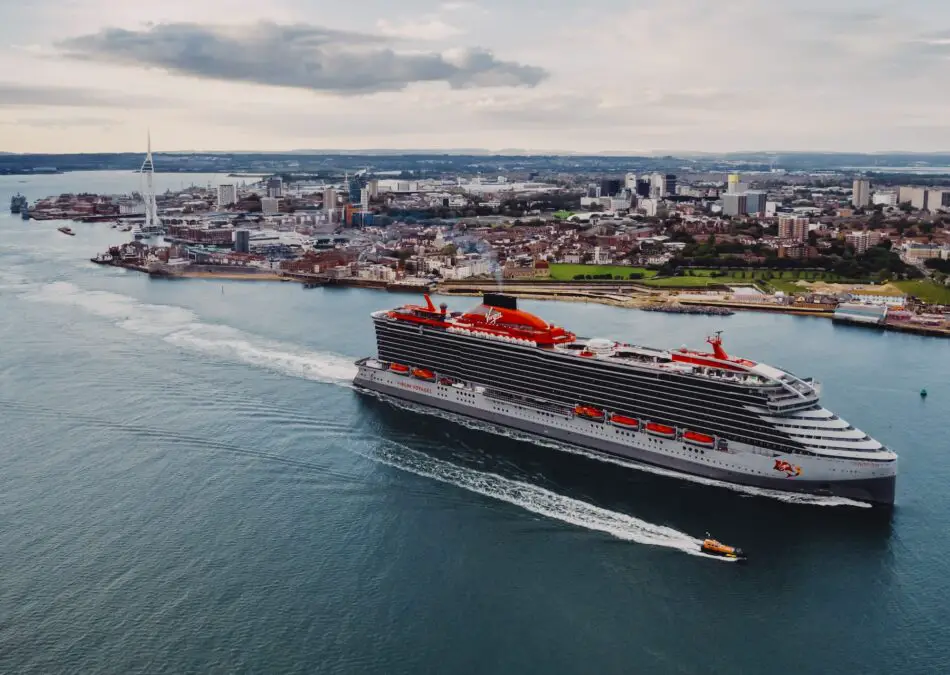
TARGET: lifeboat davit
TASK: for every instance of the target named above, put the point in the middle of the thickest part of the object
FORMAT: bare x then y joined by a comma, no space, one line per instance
423,374
399,368
590,413
697,438
713,547
661,430
624,422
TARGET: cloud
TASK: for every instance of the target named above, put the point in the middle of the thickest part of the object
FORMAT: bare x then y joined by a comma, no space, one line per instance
13,95
62,122
425,29
300,55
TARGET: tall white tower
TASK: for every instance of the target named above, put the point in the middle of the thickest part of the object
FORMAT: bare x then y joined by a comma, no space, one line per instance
152,223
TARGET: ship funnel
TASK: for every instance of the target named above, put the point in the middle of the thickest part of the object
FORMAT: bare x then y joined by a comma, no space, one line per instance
499,300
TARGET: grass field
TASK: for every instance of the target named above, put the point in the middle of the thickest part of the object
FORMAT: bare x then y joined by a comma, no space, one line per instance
566,272
927,291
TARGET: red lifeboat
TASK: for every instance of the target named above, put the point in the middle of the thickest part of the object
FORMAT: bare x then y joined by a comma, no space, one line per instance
661,430
624,422
697,438
590,413
399,368
423,374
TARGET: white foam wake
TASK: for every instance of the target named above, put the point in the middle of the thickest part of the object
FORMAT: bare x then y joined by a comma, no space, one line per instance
537,500
182,328
478,425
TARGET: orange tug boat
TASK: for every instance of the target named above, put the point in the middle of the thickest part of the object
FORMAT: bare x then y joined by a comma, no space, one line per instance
716,548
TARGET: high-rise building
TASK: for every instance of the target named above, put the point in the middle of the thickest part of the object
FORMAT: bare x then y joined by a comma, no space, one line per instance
735,204
242,241
275,186
863,240
227,195
657,185
593,190
610,187
937,200
756,201
669,185
861,194
915,196
630,181
355,188
793,228
643,187
329,199
733,184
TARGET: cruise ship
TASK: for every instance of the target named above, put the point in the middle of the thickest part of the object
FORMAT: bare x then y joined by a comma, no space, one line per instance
709,414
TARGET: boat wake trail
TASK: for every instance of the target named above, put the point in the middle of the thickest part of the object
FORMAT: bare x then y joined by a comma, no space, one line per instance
478,425
536,499
181,327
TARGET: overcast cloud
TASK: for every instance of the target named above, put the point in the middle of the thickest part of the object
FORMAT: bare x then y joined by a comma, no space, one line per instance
299,55
634,75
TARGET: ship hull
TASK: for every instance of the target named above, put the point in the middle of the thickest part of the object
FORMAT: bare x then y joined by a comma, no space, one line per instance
596,436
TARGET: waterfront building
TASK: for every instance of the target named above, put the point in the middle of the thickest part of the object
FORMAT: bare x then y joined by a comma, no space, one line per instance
878,297
242,241
856,312
861,194
275,187
227,195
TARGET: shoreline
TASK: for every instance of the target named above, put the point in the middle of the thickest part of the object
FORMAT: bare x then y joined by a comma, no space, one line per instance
637,302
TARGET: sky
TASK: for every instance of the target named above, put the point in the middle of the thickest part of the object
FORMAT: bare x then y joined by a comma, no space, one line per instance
639,76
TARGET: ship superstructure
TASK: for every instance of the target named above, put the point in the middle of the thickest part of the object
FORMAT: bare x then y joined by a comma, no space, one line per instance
705,413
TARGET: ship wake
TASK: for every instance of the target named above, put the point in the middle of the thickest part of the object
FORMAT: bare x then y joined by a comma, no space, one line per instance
517,435
182,328
536,499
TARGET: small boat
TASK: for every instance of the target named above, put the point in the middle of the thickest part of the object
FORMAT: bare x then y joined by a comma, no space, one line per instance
66,230
423,374
661,430
696,438
923,393
399,368
624,422
590,413
716,548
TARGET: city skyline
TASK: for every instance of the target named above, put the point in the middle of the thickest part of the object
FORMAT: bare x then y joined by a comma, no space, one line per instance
637,77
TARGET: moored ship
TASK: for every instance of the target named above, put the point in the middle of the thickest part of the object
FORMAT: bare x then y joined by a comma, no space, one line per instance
704,413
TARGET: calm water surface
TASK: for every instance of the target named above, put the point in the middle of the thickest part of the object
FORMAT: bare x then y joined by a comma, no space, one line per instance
190,484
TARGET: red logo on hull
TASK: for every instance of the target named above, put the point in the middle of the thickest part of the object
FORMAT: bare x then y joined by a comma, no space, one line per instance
790,470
